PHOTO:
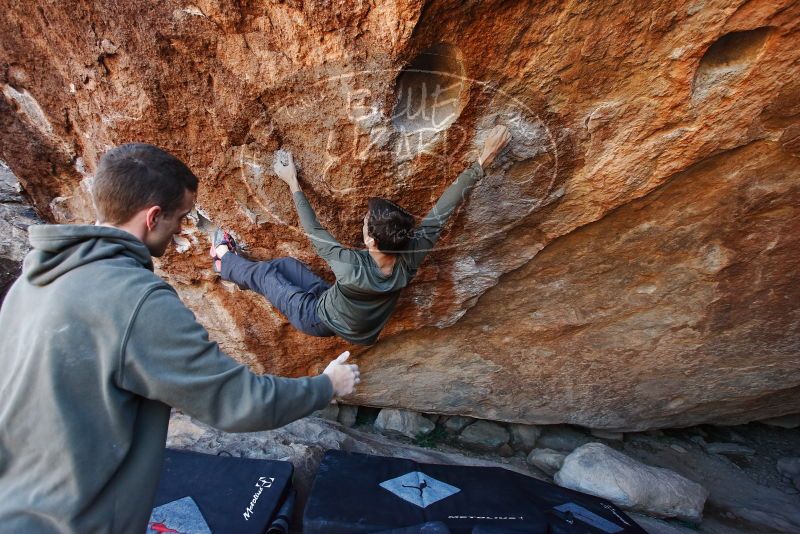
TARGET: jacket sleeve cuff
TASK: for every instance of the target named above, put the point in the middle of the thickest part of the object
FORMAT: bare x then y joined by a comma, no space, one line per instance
323,387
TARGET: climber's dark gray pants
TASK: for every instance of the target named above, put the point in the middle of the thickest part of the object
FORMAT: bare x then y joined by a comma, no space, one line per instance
287,283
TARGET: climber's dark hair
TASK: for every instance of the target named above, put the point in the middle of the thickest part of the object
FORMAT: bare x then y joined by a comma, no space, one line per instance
134,176
389,225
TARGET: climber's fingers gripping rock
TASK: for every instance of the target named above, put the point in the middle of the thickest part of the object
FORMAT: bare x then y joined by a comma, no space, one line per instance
494,144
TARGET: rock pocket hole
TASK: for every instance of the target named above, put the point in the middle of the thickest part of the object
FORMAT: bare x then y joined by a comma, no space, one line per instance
730,55
429,91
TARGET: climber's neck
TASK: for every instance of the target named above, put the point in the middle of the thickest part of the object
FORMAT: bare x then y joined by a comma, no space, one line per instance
385,262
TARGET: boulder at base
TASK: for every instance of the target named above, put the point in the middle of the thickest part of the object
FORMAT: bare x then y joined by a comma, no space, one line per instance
599,470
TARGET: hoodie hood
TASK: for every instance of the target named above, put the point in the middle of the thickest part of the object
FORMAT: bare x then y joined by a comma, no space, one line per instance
60,248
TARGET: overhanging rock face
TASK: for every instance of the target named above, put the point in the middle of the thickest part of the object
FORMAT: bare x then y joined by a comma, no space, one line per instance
630,262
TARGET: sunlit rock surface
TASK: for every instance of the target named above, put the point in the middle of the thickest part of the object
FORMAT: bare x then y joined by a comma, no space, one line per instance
630,262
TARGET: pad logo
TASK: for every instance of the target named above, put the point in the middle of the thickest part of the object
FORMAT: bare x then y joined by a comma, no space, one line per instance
419,489
263,482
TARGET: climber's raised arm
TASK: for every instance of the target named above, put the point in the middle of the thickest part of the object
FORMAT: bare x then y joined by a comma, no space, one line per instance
328,248
428,231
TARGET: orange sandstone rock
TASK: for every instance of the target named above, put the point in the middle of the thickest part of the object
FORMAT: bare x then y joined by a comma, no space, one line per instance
630,262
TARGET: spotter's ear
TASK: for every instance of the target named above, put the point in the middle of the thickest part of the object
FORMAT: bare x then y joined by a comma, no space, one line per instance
152,217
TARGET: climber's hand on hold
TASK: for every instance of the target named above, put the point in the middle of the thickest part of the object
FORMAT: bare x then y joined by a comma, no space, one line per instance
344,376
497,140
285,170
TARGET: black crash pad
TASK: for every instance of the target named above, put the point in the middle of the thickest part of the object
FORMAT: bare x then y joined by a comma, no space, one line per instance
355,493
234,495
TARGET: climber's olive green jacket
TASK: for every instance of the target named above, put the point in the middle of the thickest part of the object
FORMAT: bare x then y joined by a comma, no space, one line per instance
362,300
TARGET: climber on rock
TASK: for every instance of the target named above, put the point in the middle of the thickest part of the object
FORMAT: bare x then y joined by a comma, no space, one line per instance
368,282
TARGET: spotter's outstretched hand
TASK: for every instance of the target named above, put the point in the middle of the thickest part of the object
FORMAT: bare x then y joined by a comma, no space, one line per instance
344,376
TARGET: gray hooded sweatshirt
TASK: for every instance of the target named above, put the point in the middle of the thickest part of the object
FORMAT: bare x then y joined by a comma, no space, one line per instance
94,349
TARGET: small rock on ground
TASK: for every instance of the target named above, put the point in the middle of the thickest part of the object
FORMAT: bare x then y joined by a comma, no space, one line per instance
457,423
505,451
600,470
561,438
403,422
484,436
546,460
523,437
329,412
347,415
